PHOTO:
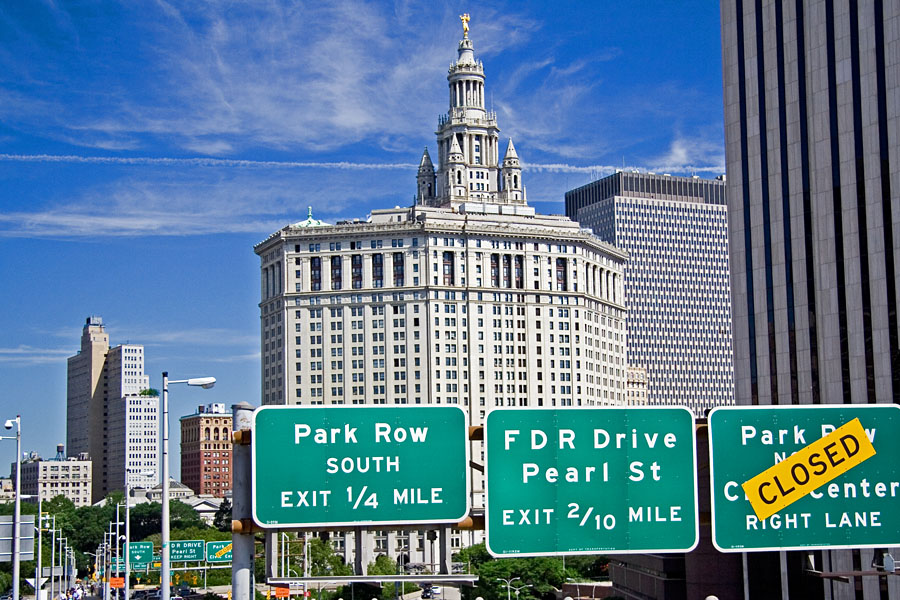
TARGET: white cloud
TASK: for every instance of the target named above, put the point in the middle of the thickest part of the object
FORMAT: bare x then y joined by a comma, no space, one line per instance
217,78
29,355
691,154
170,197
236,358
199,336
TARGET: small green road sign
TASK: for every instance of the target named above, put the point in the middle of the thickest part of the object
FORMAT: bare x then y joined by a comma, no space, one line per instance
186,550
858,509
218,552
359,465
140,551
588,480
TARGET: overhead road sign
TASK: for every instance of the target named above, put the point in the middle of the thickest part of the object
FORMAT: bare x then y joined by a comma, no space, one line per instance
588,480
139,552
823,476
186,550
218,552
359,465
26,537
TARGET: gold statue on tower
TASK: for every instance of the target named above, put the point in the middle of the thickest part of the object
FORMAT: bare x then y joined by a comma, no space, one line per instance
465,21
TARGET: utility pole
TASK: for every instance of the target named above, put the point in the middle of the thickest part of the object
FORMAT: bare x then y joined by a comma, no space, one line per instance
243,542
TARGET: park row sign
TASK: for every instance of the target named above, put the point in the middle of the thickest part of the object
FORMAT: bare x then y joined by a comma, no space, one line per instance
587,480
831,470
353,465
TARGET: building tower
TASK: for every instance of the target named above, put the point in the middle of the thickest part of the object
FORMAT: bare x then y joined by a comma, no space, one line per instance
425,180
468,140
86,398
812,143
470,299
512,191
110,414
675,230
206,450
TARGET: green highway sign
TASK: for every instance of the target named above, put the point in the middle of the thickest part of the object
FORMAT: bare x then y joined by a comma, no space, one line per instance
588,480
218,552
140,551
186,550
359,465
135,566
857,509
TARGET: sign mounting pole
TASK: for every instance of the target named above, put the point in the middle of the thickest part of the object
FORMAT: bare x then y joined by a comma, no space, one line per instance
242,551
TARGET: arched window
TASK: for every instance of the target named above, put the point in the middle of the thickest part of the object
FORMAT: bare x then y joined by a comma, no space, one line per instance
515,181
459,177
207,432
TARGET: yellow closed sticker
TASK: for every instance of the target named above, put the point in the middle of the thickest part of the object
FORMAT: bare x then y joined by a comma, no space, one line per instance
807,469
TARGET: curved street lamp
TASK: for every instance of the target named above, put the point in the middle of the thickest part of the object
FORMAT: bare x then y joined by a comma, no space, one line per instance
17,511
508,585
205,383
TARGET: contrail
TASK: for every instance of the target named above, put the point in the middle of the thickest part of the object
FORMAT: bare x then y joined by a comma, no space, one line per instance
198,162
342,165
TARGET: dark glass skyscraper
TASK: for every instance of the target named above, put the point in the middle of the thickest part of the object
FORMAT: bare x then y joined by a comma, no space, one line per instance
811,90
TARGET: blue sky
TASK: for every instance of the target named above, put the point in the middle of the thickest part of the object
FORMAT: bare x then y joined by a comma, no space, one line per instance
146,146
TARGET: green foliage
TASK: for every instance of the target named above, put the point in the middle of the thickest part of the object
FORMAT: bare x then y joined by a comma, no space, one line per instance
382,566
222,518
324,561
149,392
85,526
5,582
386,566
544,575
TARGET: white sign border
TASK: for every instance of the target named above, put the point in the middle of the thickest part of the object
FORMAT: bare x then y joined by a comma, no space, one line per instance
466,444
593,552
712,492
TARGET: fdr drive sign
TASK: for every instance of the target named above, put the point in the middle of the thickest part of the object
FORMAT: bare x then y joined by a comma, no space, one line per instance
352,465
588,480
792,478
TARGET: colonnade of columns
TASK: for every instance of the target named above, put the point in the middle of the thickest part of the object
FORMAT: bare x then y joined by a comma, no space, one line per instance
467,92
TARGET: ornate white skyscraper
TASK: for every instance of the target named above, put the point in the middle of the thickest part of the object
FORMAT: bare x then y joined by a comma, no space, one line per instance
466,298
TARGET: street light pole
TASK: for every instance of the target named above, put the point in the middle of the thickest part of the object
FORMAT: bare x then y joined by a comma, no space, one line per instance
17,515
37,567
128,542
128,533
61,540
165,573
508,585
52,555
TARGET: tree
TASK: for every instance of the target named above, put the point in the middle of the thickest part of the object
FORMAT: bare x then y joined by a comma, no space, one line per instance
222,519
324,561
545,575
386,566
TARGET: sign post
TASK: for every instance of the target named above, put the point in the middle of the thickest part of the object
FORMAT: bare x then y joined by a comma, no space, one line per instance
805,477
352,465
582,481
